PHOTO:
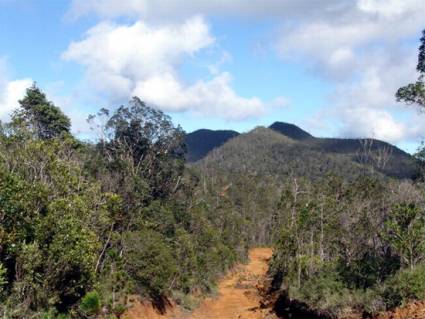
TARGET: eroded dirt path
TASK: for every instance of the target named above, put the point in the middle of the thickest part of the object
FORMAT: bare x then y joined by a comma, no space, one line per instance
238,293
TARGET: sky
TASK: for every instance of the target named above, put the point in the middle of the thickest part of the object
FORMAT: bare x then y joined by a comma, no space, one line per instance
331,67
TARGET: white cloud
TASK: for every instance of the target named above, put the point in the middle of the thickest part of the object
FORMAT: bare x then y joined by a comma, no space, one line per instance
214,97
390,8
364,53
11,91
368,122
362,47
10,94
176,9
331,45
143,60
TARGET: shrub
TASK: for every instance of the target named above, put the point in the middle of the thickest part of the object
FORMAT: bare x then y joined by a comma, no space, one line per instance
408,284
90,304
149,262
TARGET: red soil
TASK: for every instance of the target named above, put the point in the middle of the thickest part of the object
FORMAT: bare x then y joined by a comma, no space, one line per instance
238,296
414,310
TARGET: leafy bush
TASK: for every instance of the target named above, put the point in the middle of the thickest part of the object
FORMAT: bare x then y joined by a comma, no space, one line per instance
90,303
408,284
150,262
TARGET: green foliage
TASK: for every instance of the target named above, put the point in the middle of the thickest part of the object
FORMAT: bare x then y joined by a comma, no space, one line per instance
406,233
54,315
414,93
341,243
421,56
85,225
90,303
40,116
407,285
149,262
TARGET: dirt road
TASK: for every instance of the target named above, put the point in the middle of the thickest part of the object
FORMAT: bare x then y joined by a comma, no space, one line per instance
238,295
238,298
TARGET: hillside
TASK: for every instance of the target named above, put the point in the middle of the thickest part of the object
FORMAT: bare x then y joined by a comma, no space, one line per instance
286,149
200,142
291,130
264,152
88,228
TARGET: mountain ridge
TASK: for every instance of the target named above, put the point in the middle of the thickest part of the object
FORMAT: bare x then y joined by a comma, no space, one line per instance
378,155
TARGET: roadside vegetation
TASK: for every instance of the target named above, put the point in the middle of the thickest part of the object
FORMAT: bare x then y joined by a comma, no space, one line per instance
354,246
86,224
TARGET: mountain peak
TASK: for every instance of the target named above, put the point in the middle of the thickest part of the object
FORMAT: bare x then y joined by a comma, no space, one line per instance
290,130
202,141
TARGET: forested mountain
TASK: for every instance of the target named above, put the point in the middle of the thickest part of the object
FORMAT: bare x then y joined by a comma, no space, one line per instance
200,142
290,130
289,151
387,158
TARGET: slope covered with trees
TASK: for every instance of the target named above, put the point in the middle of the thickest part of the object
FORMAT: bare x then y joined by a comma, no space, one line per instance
355,246
264,152
200,142
374,154
85,225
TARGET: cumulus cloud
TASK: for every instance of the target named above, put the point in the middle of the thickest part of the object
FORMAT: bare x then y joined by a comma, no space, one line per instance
334,44
143,60
362,47
363,51
11,91
368,122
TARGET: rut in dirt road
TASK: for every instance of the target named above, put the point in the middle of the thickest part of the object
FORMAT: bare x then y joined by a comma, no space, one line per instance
238,296
238,293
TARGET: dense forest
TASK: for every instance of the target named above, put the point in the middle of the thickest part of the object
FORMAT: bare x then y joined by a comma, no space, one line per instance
86,224
353,246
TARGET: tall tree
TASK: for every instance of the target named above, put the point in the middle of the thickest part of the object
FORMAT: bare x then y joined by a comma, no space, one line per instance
414,93
144,140
41,116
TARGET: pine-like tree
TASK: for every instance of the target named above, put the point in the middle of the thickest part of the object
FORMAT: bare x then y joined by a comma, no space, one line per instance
41,116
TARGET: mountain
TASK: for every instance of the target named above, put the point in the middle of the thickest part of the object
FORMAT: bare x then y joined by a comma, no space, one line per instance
265,152
290,130
285,149
200,142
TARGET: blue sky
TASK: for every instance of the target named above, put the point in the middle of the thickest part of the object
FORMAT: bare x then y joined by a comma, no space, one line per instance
331,67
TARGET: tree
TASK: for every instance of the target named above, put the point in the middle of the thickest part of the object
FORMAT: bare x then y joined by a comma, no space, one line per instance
406,233
149,262
40,116
142,143
414,93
